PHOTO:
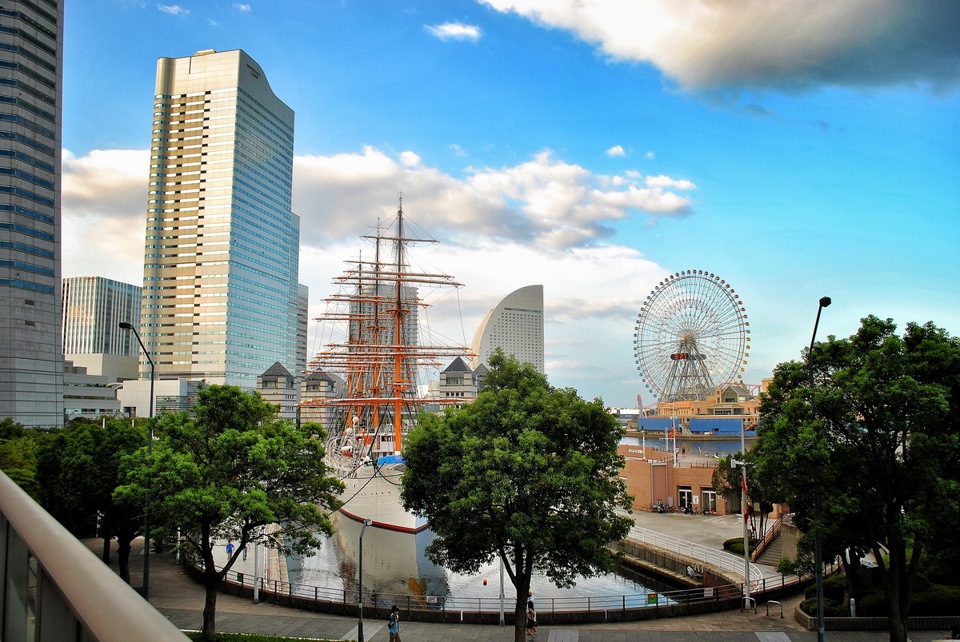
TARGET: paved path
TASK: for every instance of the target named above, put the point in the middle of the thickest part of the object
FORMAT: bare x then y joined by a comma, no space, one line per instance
180,598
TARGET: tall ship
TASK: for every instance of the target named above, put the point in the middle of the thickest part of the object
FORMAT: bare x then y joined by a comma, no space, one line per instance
378,362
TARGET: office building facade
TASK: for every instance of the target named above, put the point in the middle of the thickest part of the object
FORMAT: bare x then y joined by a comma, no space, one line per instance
220,291
516,326
31,72
93,309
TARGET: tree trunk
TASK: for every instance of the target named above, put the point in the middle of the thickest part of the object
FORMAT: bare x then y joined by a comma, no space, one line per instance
520,619
123,558
211,584
107,537
522,584
898,599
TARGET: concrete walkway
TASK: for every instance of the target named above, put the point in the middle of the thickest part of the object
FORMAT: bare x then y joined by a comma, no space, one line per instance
180,598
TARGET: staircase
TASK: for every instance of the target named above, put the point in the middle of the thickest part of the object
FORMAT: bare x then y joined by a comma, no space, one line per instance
772,553
770,549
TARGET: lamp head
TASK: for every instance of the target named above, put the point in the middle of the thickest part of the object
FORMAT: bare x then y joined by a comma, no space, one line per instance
125,325
824,301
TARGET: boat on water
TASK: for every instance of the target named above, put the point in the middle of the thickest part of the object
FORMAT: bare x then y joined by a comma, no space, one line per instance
379,361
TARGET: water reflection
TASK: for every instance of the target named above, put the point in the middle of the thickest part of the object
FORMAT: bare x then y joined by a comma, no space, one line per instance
395,563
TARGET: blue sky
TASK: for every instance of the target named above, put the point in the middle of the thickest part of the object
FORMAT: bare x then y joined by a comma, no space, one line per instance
795,148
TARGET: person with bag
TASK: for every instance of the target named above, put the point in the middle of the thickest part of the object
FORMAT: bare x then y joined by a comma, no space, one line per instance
531,621
393,624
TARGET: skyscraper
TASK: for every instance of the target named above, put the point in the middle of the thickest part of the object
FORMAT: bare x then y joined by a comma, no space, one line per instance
93,308
516,326
31,71
222,245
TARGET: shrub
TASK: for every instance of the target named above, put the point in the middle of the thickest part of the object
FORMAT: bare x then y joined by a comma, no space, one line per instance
938,599
833,587
735,545
921,584
831,608
872,604
787,566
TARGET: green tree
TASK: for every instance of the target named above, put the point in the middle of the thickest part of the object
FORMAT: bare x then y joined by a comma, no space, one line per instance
879,432
80,469
226,470
527,472
18,456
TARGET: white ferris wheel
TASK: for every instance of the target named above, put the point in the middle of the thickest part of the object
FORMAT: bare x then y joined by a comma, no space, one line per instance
691,336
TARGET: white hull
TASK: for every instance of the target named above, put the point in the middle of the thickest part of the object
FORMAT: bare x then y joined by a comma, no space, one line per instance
374,495
393,561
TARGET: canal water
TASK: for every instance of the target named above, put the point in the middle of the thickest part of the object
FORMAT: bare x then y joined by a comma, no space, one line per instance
394,563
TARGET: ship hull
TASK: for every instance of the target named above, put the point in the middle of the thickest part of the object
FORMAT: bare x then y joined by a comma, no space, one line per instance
374,494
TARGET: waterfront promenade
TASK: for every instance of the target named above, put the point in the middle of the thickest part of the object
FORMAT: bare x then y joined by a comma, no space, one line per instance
180,598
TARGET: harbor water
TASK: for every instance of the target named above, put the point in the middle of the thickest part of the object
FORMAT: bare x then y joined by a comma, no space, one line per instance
395,564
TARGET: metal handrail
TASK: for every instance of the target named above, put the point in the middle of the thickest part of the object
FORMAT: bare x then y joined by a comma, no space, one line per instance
768,538
720,559
280,590
69,576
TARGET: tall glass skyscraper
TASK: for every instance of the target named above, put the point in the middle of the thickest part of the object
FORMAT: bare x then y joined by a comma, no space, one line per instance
31,71
222,245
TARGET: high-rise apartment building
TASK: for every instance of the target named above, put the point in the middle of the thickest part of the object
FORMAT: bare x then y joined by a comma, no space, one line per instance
220,292
516,326
31,70
93,308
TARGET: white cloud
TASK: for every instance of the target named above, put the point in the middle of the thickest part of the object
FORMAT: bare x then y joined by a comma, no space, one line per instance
649,155
455,31
104,199
796,44
242,7
545,201
542,221
666,181
106,183
409,159
616,150
173,9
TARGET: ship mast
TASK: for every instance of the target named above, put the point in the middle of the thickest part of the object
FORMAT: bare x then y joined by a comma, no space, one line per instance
382,351
401,382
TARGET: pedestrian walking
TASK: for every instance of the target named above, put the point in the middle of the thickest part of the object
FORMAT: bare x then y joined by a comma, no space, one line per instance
393,624
229,548
531,621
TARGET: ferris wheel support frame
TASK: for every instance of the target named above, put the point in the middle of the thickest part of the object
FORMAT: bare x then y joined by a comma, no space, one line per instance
691,334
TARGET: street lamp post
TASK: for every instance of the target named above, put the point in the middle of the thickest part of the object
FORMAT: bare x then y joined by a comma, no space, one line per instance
146,516
744,511
366,523
817,545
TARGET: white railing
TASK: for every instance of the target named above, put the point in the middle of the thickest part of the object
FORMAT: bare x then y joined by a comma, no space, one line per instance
54,589
721,559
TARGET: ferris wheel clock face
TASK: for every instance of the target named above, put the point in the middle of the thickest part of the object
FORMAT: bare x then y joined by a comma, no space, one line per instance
691,336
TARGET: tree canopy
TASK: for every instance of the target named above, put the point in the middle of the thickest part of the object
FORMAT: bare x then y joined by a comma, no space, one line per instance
527,472
18,458
80,466
877,439
226,470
